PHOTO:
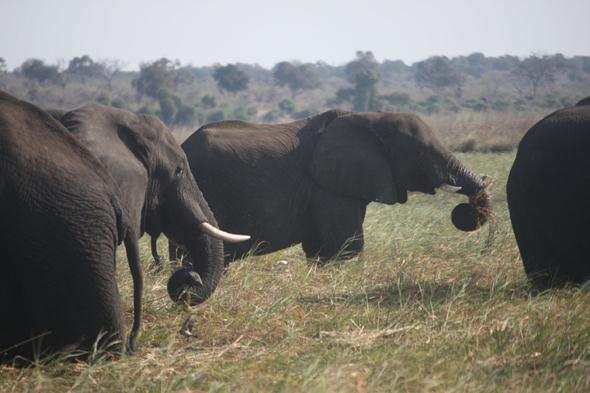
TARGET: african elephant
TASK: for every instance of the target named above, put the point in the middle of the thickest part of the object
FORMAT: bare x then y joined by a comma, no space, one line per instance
150,168
61,220
310,181
547,190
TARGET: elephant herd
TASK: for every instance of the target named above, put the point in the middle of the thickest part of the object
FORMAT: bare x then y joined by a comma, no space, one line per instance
74,185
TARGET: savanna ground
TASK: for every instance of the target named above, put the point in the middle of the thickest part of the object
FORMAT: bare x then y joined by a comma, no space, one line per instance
426,308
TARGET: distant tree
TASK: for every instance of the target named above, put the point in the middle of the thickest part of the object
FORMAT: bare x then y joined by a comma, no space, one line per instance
299,78
208,101
110,69
366,93
84,67
231,79
538,68
287,105
35,69
437,73
363,61
161,74
3,68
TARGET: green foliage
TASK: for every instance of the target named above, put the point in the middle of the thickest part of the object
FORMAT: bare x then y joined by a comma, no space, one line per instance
84,67
364,61
304,113
272,116
186,116
36,69
241,113
208,101
224,113
120,103
398,101
104,98
502,105
365,92
299,78
252,111
475,104
288,106
231,79
161,74
437,104
438,73
147,109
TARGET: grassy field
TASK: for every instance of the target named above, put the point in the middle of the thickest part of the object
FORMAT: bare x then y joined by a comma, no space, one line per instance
426,308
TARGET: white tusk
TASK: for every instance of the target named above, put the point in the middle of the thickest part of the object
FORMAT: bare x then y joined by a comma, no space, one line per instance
221,235
448,188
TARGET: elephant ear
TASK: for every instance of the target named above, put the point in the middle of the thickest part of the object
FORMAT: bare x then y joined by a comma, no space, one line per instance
349,160
110,134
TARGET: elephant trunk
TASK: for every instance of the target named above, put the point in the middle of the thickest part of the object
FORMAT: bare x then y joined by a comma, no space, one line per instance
195,230
468,216
197,284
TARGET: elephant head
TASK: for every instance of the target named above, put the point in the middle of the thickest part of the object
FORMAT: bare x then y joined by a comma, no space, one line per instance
158,187
380,156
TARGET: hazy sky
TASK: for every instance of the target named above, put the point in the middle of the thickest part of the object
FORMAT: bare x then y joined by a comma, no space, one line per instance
203,33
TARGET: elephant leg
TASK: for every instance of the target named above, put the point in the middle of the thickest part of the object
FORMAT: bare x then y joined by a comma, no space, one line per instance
157,259
338,226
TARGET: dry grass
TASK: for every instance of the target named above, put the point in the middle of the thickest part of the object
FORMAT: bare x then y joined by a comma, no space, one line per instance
426,308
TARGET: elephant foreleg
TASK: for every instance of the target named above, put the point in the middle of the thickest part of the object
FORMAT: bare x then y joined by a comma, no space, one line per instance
338,231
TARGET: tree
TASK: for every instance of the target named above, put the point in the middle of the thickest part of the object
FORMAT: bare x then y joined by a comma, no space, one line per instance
110,69
161,74
84,67
231,79
3,68
536,69
364,61
437,73
299,78
35,69
365,95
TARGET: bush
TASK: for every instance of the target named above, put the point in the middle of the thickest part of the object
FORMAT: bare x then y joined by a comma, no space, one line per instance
241,113
502,105
220,114
288,105
147,110
119,103
437,103
475,104
304,113
104,98
186,116
272,116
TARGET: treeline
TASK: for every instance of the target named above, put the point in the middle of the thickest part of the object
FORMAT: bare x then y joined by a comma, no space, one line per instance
183,95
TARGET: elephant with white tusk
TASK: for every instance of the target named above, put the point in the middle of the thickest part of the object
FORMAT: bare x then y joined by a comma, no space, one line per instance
310,181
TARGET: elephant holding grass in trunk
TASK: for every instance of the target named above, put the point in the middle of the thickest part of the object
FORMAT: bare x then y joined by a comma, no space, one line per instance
158,188
61,220
310,181
547,192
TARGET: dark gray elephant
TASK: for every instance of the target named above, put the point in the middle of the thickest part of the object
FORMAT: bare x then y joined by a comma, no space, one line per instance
158,188
61,220
310,181
548,190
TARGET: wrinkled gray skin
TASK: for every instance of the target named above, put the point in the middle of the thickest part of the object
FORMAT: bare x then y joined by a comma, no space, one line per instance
310,181
61,220
157,186
547,192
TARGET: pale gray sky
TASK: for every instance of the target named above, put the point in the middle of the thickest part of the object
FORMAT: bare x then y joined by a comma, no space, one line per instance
270,31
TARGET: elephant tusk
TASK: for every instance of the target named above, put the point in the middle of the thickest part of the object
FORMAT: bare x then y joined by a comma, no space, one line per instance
210,230
448,188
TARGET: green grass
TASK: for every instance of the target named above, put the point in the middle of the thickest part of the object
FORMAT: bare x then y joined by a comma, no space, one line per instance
426,308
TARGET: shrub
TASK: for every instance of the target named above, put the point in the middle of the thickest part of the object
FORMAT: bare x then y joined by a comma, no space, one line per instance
475,104
272,116
502,105
104,98
119,103
304,113
288,105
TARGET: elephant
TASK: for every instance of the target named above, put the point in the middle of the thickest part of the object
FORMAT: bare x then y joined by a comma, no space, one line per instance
547,191
159,191
311,180
61,220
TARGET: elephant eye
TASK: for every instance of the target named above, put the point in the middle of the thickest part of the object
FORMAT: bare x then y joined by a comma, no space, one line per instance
178,171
